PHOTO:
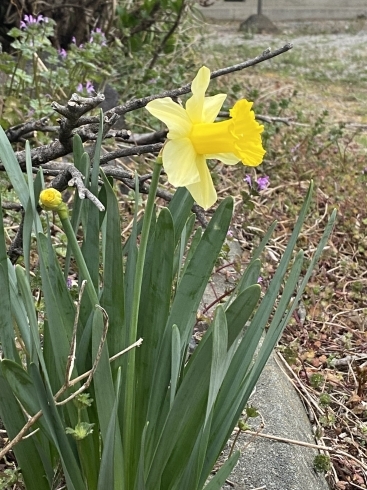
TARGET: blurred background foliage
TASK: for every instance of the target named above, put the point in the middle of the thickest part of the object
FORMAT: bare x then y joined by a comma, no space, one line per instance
130,46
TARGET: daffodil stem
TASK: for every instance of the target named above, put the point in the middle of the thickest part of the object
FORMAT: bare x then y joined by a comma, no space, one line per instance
69,232
130,374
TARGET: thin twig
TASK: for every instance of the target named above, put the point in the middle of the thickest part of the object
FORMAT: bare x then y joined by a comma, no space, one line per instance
95,364
328,449
134,104
71,357
77,106
73,382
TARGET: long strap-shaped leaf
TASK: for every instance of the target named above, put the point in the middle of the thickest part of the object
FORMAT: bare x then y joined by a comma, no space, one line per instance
183,312
33,467
65,446
13,170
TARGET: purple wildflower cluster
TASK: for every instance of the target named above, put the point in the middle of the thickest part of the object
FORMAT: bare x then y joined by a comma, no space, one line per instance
89,87
262,182
62,52
73,40
101,38
102,35
29,20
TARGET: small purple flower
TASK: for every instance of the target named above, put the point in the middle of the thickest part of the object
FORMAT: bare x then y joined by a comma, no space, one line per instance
69,283
73,40
29,19
230,233
89,87
102,36
263,183
259,280
62,53
248,179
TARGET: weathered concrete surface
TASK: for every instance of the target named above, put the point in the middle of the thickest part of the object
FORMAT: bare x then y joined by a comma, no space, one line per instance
270,464
264,463
283,10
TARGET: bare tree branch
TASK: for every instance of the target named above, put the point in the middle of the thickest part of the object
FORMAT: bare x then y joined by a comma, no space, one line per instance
16,133
74,121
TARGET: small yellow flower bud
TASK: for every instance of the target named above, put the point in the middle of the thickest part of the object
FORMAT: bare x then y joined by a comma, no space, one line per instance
50,199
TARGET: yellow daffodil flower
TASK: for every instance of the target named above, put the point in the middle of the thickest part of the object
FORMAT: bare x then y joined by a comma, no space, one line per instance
51,200
194,137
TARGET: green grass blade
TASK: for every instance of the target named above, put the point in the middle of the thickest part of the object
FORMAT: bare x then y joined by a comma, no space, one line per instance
110,475
82,163
22,387
180,209
236,387
180,432
175,362
31,219
223,473
16,177
192,285
6,323
18,310
91,242
276,330
102,379
140,477
230,401
35,350
65,445
154,309
26,453
112,298
60,309
250,276
218,358
183,312
96,156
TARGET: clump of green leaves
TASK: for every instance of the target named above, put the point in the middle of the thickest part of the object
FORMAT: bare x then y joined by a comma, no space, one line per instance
9,478
161,419
321,463
316,380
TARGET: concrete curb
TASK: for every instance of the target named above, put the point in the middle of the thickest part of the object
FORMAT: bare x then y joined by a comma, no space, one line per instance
265,464
272,465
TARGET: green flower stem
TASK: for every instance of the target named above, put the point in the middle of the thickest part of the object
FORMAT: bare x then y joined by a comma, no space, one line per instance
69,232
130,374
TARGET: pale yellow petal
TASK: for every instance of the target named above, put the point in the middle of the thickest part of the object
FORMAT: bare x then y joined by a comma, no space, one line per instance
173,115
203,192
227,158
195,104
179,162
212,105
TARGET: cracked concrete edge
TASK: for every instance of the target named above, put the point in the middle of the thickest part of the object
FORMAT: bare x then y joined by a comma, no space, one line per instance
274,465
267,464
